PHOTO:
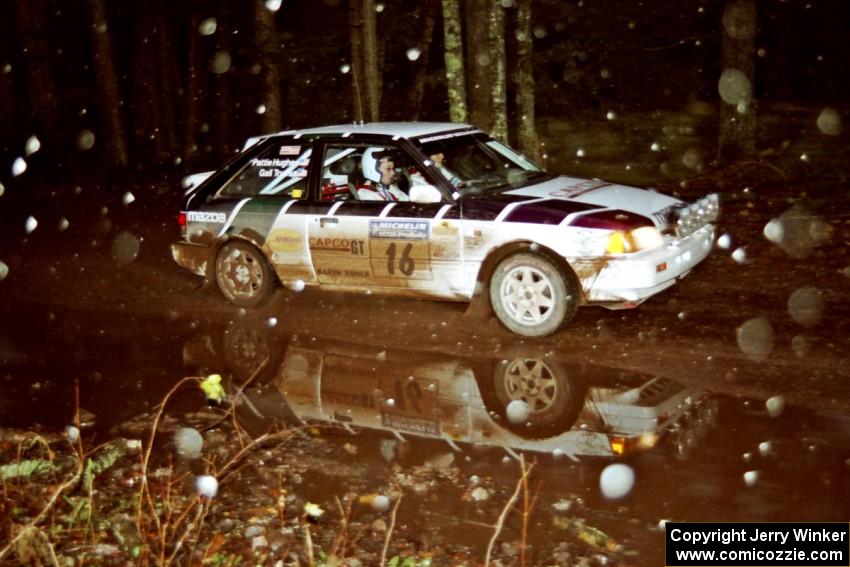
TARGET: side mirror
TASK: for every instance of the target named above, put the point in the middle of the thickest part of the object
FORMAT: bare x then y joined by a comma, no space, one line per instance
422,193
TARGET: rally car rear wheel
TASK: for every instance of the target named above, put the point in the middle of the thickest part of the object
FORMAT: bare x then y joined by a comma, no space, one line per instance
532,295
243,275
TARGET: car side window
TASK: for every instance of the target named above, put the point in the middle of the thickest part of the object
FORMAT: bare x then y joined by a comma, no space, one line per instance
344,177
279,169
341,173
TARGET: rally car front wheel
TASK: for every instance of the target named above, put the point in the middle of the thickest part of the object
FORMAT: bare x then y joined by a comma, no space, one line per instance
532,295
243,275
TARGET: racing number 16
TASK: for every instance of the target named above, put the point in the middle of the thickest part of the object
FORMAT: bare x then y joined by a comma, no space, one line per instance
406,264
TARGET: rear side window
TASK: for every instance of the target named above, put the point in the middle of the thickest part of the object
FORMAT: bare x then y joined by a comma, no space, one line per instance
279,169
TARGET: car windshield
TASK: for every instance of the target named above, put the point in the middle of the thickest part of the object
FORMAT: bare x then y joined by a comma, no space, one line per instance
476,163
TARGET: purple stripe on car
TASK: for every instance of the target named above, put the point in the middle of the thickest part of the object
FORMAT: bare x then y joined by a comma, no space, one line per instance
361,208
415,210
546,212
485,209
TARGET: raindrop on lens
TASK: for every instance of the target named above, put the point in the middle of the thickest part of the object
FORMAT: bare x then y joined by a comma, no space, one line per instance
829,122
18,166
128,198
379,7
188,442
85,140
272,321
751,477
610,115
740,255
765,448
2,189
380,503
296,285
63,224
207,486
734,87
580,152
518,411
801,345
774,231
208,26
72,433
756,338
32,145
616,481
345,68
125,248
775,405
261,109
724,242
220,63
273,5
806,306
31,224
4,270
413,53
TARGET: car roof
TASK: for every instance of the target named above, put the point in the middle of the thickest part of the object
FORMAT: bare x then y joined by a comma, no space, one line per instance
400,129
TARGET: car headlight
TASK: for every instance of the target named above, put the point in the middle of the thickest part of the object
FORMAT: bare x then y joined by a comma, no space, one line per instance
642,238
646,238
697,215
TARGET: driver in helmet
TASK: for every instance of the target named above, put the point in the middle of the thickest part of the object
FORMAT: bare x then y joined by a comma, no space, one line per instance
378,166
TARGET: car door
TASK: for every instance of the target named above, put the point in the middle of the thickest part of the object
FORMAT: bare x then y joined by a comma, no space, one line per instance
338,224
387,245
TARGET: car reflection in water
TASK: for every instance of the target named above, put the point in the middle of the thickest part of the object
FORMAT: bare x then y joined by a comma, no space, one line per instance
522,403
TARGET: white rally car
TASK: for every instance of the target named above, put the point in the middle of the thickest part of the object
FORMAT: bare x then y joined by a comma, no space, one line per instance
433,210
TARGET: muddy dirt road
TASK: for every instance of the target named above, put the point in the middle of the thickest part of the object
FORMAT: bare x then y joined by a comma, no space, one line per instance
728,395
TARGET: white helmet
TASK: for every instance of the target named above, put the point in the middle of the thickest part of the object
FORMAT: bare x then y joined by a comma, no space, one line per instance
371,163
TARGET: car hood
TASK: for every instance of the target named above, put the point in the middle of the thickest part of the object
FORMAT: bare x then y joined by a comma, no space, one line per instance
599,193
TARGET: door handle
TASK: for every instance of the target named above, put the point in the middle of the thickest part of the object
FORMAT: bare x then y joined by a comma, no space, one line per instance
327,220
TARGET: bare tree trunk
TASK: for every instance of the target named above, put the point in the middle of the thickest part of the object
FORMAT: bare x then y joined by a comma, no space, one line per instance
167,81
498,88
107,86
370,56
145,98
358,64
223,106
268,46
7,99
455,77
194,89
478,62
737,80
525,82
40,86
427,18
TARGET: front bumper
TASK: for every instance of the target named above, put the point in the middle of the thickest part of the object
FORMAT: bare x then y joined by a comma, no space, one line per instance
193,257
634,278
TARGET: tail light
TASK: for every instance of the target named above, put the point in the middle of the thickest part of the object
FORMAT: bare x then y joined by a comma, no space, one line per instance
181,220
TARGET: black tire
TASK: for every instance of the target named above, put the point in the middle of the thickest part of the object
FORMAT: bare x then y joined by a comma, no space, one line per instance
243,275
246,348
532,295
553,393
